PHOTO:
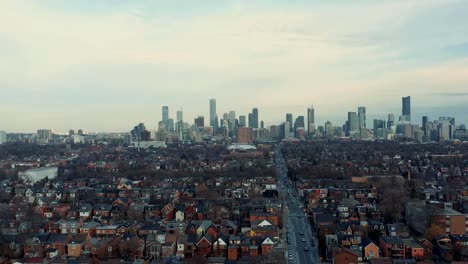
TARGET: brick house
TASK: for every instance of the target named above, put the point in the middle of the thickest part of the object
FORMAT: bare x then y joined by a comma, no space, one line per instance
233,252
345,256
369,249
205,245
59,242
267,246
392,247
271,217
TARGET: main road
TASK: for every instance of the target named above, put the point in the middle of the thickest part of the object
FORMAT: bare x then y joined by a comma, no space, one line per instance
302,245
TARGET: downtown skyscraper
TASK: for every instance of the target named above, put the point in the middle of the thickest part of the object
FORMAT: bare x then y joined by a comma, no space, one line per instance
406,109
180,116
165,114
253,118
213,115
311,120
362,117
166,121
352,124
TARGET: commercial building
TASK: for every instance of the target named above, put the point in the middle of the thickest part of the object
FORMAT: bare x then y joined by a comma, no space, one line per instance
148,144
352,123
420,216
200,121
213,113
362,117
311,120
44,134
406,109
165,114
244,135
38,174
242,121
180,116
253,118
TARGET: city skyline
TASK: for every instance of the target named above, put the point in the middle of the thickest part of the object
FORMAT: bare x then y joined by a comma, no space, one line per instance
104,67
165,117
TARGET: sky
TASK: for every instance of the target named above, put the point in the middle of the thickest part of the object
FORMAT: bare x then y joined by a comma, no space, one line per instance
108,65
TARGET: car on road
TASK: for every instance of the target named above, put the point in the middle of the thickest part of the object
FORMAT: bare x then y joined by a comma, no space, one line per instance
302,233
303,240
306,249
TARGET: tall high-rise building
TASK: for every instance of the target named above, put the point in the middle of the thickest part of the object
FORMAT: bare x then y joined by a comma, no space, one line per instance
287,131
289,119
232,121
406,108
165,114
444,129
180,116
170,125
311,120
425,119
44,134
3,137
362,116
212,112
328,128
391,120
379,128
200,121
298,124
138,132
253,118
242,121
352,121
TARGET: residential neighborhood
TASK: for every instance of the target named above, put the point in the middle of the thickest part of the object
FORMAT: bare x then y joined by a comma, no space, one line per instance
379,202
199,203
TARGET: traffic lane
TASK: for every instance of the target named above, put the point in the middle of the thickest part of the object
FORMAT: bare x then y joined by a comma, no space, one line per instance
293,247
302,226
304,256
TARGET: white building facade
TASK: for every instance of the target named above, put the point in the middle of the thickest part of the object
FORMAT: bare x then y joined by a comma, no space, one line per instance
38,174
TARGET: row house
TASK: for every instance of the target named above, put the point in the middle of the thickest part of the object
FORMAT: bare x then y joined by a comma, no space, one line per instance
271,217
89,228
107,231
69,226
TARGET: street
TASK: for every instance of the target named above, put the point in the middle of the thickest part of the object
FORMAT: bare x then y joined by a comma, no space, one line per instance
301,245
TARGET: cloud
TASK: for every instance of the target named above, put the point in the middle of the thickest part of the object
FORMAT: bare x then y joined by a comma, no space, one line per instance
452,94
277,57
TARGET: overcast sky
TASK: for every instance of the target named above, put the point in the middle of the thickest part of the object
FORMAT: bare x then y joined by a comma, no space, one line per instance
107,65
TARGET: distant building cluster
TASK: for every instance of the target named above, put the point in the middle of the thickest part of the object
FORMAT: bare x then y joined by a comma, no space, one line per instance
250,129
247,129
